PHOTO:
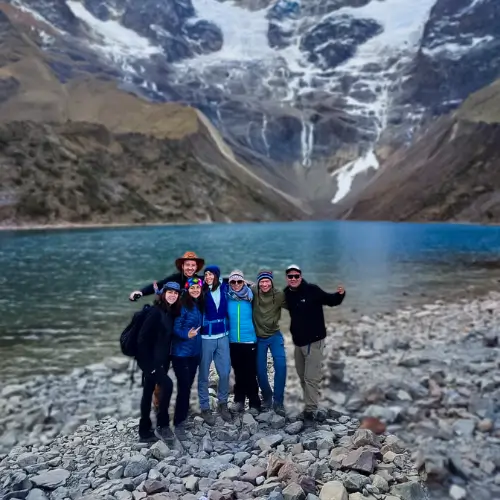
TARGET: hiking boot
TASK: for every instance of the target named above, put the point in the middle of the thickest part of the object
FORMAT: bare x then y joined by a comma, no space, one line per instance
320,415
279,409
147,437
237,407
254,411
267,404
306,416
180,432
165,434
224,412
208,417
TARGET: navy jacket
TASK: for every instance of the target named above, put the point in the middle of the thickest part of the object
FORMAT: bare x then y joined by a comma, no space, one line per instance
182,345
215,321
305,305
177,277
154,340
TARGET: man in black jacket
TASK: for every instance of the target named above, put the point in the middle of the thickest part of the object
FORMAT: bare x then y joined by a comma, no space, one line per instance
305,303
188,266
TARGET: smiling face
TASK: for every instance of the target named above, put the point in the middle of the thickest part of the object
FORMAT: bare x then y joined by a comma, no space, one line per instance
293,278
209,278
195,291
189,267
236,285
171,296
265,285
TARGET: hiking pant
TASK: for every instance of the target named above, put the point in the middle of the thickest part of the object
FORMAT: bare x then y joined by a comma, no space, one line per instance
185,371
275,344
244,363
308,363
160,378
216,350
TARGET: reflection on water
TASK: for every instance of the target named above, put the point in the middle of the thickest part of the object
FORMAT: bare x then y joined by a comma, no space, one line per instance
63,294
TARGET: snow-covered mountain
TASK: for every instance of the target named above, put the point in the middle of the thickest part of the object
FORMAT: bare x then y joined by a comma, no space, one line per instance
313,94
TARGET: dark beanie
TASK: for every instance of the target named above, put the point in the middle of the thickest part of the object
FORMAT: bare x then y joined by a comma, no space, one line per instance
265,274
213,269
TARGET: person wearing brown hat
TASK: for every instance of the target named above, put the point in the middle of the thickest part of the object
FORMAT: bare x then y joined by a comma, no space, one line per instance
188,266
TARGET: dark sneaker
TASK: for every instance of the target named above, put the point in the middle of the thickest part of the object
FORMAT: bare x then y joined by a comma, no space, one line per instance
208,417
147,437
237,407
267,404
224,412
165,434
320,416
279,409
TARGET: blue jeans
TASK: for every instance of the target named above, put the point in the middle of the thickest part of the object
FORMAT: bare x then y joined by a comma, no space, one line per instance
276,344
216,350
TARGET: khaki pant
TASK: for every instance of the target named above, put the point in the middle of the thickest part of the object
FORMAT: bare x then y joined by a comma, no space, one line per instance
309,366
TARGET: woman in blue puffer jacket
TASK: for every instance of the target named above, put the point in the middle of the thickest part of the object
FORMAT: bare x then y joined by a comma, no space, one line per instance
243,344
186,350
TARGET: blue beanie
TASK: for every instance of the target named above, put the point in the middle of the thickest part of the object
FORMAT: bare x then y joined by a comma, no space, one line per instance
213,269
265,274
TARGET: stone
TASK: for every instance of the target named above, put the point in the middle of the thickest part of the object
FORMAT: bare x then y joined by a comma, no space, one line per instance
364,437
137,465
457,492
380,483
36,494
409,491
333,490
51,479
248,423
294,427
277,421
152,486
252,473
269,442
360,460
288,472
160,450
355,482
191,483
293,491
26,459
265,489
13,390
232,473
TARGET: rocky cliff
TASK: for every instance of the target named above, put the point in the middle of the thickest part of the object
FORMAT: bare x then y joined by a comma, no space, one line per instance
83,151
451,172
313,95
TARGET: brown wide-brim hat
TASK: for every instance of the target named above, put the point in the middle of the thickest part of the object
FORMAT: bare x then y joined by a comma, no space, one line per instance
190,256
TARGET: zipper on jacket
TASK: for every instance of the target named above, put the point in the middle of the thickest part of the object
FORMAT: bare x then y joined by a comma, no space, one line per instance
238,321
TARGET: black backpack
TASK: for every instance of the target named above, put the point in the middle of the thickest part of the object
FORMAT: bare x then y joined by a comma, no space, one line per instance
129,336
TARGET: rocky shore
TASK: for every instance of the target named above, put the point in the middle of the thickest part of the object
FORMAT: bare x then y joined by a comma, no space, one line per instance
430,373
265,458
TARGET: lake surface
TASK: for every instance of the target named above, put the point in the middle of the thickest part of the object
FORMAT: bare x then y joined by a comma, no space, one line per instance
64,293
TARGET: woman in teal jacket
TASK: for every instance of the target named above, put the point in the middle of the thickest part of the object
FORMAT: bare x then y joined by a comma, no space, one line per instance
243,344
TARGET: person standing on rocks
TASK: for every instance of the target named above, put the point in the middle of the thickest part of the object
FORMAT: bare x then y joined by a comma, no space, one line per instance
243,344
186,350
267,305
214,345
153,357
305,303
187,266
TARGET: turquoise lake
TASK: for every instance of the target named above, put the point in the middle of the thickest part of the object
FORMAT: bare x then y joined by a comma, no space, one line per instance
64,293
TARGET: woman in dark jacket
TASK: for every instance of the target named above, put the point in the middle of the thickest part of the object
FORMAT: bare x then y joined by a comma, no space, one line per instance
186,350
153,357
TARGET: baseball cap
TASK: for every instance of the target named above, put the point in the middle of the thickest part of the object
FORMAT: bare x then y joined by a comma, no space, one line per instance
293,267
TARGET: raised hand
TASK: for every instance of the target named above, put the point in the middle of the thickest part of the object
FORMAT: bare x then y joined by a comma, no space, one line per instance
341,290
193,332
135,295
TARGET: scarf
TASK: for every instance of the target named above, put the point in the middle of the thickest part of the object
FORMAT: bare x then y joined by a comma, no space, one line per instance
244,294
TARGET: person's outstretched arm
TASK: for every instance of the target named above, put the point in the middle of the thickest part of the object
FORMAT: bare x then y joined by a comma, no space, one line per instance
150,289
331,299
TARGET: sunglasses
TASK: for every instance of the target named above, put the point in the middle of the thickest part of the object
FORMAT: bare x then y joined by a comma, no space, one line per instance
293,276
238,282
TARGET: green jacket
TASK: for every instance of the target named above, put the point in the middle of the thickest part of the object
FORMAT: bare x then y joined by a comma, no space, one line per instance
267,311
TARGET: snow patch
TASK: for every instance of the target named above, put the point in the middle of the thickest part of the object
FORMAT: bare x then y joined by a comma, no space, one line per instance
307,142
116,42
346,174
455,51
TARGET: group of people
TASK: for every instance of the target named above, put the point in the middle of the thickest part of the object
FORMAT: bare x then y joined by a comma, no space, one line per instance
199,318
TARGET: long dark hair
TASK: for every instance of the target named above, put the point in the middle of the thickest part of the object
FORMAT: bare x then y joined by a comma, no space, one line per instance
189,302
215,285
173,309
